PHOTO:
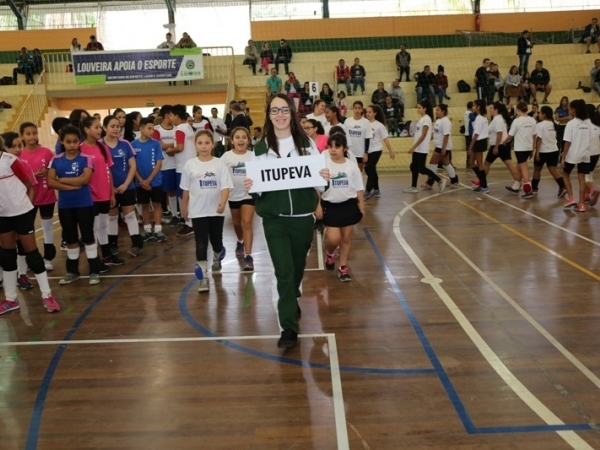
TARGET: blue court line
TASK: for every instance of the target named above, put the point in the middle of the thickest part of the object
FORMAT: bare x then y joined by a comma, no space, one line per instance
183,308
40,400
457,403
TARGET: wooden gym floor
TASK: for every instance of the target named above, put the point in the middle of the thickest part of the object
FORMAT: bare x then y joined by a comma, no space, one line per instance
471,322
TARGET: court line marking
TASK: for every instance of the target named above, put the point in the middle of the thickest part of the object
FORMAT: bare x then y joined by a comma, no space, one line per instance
541,410
339,411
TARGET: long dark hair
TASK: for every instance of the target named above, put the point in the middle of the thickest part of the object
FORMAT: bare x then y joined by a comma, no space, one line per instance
69,129
593,113
339,140
105,123
580,109
75,116
379,115
501,108
318,125
334,109
9,137
428,107
87,123
128,133
482,105
301,140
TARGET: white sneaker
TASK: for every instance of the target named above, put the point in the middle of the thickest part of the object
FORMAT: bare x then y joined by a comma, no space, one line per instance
411,190
442,184
204,285
48,264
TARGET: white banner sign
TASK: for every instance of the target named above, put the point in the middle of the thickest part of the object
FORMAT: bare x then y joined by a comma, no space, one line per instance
285,173
314,88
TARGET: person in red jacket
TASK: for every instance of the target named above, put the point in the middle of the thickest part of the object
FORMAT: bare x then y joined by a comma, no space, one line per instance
342,75
440,85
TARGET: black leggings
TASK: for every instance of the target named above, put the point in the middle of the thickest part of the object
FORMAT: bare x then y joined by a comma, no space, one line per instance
417,166
206,228
72,218
371,170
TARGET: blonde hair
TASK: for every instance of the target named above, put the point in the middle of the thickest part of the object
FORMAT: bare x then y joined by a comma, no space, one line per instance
205,133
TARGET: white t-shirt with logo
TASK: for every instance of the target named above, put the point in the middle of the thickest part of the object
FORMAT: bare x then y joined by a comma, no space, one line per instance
442,128
523,130
236,164
497,125
423,122
577,132
166,136
321,118
545,131
184,133
344,182
379,134
205,181
358,131
480,127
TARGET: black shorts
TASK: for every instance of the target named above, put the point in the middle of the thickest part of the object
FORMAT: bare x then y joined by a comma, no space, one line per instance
154,195
540,87
503,154
45,210
127,198
593,162
338,215
550,159
583,168
101,207
522,157
439,150
480,146
22,224
238,204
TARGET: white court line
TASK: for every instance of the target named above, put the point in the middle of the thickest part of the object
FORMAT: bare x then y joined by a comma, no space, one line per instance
541,219
495,362
338,397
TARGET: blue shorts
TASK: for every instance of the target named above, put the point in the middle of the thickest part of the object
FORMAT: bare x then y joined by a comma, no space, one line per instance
169,180
178,181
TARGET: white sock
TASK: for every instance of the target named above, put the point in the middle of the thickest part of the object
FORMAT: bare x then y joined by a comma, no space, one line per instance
91,251
73,253
21,265
450,169
10,285
138,208
113,225
157,228
101,228
42,280
516,185
189,223
202,265
148,228
179,203
173,205
433,167
132,223
47,230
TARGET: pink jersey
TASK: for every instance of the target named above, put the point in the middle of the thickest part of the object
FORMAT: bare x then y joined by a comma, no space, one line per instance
100,183
39,159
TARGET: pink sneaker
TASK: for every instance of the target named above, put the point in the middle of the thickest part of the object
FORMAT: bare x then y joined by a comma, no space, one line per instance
8,306
570,202
580,208
594,197
475,182
51,304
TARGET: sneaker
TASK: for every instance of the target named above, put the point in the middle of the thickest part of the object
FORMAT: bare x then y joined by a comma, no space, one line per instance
63,246
367,195
174,223
411,190
248,262
534,191
344,274
166,214
562,192
112,260
114,250
134,251
527,195
455,185
204,285
24,283
511,189
426,186
8,306
376,193
216,266
442,184
51,304
103,267
330,262
569,203
48,265
160,237
475,182
288,339
198,272
594,197
586,198
580,208
68,278
94,279
185,231
146,236
481,190
239,250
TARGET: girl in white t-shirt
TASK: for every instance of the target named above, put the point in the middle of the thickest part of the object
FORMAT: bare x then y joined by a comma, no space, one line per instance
376,118
206,183
241,204
442,138
420,148
546,151
360,133
479,143
592,193
522,130
342,204
576,152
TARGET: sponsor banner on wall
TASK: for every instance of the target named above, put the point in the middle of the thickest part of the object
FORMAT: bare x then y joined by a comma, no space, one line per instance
138,66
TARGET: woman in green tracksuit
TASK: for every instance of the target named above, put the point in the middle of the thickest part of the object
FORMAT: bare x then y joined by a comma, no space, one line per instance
288,215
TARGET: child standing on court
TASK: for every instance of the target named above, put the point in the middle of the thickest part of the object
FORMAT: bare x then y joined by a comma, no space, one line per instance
205,183
149,158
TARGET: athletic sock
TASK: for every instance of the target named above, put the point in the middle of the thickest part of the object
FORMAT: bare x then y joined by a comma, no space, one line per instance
516,185
450,170
173,206
10,285
113,226
132,223
47,231
148,228
157,228
21,265
535,183
44,285
561,182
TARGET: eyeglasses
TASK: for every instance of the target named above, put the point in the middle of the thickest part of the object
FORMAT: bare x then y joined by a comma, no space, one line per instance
275,111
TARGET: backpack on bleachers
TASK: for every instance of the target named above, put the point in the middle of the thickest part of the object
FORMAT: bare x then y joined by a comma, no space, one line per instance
463,86
4,81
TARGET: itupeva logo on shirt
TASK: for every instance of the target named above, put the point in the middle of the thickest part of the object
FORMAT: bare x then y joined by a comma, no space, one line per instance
239,170
208,181
340,180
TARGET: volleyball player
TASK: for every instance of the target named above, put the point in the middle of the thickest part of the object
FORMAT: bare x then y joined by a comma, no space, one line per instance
360,133
442,138
522,130
546,152
479,143
376,119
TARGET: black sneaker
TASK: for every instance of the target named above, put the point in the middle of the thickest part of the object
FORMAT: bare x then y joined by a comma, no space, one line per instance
561,192
114,250
113,260
174,222
185,231
288,339
103,267
511,189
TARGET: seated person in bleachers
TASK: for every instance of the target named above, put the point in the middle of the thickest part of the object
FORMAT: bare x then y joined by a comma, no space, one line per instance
168,44
379,95
424,88
319,112
38,62
292,89
94,45
539,80
513,86
441,85
397,95
186,42
341,104
357,75
250,56
498,81
326,94
342,75
274,84
306,100
266,58
534,112
591,35
25,66
75,45
595,75
392,116
284,55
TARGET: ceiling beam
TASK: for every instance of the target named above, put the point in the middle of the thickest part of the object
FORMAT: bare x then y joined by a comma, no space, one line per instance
21,17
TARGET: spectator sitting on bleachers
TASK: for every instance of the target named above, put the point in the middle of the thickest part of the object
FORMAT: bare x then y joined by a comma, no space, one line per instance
168,44
342,75
186,42
403,62
305,106
266,58
392,116
251,56
425,81
441,84
498,81
274,84
379,95
591,35
397,95
595,74
284,55
75,45
357,75
513,87
341,104
94,45
25,66
38,62
326,94
292,89
319,112
539,80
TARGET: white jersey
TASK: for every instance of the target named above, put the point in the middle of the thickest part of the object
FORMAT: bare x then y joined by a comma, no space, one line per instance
350,156
577,132
523,130
594,139
423,122
236,164
13,193
185,134
442,128
328,128
497,125
166,136
320,118
344,183
205,181
217,122
480,127
358,131
545,131
379,134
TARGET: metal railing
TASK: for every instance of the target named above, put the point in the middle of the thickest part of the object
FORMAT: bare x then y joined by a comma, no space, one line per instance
34,106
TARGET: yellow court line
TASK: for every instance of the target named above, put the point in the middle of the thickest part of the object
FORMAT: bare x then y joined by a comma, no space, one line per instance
53,231
533,241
